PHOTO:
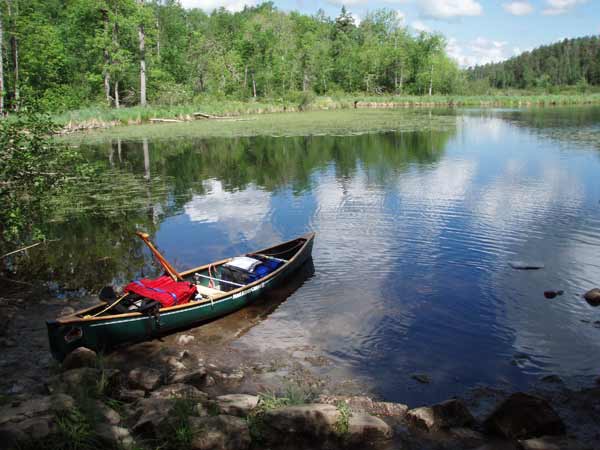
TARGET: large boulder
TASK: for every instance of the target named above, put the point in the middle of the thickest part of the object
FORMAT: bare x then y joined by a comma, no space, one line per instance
144,378
449,414
364,427
219,433
524,416
312,420
80,357
367,405
85,378
237,404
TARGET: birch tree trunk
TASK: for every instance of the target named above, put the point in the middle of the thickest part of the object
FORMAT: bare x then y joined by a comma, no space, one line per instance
431,82
14,44
117,104
1,68
142,36
253,85
106,71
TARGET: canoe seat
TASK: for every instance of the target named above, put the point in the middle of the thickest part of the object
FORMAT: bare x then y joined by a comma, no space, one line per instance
204,290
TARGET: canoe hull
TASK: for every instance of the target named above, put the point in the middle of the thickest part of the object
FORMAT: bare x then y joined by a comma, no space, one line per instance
102,335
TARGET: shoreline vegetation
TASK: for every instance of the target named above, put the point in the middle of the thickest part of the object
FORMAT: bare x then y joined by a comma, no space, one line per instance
104,117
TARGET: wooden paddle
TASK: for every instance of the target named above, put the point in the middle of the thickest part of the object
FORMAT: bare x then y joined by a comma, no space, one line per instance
168,267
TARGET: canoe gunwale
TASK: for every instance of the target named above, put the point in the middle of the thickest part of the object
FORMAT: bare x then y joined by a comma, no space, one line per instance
75,319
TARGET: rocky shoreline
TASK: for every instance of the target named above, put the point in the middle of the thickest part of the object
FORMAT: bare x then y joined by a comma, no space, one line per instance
188,403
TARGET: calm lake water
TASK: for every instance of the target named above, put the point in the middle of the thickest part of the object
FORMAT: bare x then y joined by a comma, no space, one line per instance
415,232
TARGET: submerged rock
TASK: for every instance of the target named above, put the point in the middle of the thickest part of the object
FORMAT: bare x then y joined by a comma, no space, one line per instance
185,339
219,433
449,414
524,416
144,378
593,297
80,357
526,265
553,294
195,377
421,378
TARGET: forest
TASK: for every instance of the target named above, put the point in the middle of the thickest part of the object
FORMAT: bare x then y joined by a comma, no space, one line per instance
566,63
71,54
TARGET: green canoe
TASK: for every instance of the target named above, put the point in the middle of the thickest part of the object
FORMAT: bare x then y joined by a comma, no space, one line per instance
101,331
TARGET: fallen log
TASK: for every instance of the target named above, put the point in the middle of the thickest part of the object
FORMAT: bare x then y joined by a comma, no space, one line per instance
158,120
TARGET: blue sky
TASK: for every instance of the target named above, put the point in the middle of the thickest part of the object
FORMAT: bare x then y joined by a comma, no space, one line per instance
477,31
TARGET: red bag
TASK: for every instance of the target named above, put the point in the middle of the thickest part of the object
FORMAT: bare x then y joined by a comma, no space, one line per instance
164,290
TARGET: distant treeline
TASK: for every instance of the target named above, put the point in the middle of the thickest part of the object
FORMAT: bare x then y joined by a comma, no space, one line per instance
566,63
125,52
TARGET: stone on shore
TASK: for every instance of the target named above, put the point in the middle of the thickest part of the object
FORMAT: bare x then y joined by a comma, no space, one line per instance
313,420
367,428
237,404
180,390
80,357
524,416
449,414
593,297
185,339
145,378
367,405
222,432
114,436
151,416
109,415
130,395
195,377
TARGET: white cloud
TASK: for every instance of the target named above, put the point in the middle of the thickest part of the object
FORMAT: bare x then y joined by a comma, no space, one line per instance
210,5
477,52
518,8
450,9
420,26
557,7
400,16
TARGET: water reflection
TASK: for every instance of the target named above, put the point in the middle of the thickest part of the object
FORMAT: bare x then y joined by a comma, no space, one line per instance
414,232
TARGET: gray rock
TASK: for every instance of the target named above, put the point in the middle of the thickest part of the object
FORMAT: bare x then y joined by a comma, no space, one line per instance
80,357
130,395
34,407
593,297
449,414
76,380
185,339
180,390
66,311
144,378
229,377
367,428
194,377
220,433
367,405
114,436
151,417
467,437
524,416
316,419
237,404
108,414
40,427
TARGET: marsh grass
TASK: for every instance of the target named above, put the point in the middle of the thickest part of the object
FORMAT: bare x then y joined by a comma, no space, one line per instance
105,117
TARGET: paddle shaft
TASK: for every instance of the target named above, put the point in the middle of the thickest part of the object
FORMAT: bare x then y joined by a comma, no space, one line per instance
168,267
